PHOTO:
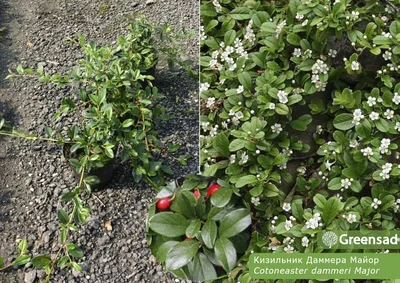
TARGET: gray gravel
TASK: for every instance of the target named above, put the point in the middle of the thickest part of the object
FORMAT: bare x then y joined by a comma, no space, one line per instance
34,175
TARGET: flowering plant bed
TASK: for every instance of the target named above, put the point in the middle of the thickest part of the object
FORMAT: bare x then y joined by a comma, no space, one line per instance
300,116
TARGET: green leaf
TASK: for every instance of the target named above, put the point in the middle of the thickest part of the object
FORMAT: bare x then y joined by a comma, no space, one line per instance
301,123
92,180
173,147
181,254
240,13
343,122
234,222
63,216
221,144
236,144
335,184
330,210
193,228
226,253
1,262
75,251
229,37
22,246
221,197
246,180
210,170
245,80
387,202
281,109
271,190
184,204
364,129
169,224
293,39
22,260
76,266
319,200
297,209
306,65
209,233
163,249
382,125
41,261
201,268
395,28
62,261
68,196
127,123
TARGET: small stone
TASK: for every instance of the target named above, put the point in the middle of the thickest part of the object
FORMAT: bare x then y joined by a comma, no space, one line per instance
30,276
149,2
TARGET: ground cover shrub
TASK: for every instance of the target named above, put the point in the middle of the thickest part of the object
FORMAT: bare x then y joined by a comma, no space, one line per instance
300,117
117,108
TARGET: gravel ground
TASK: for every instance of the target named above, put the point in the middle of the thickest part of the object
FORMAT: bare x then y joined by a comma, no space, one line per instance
34,175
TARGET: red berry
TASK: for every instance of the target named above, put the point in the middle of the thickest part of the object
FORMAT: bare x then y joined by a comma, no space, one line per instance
212,189
163,203
196,193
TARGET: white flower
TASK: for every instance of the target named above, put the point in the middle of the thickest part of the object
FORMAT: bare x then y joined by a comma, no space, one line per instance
286,151
210,102
396,98
397,126
387,55
299,16
357,116
297,52
240,89
271,106
351,218
371,101
255,201
305,241
332,53
239,115
282,166
288,249
283,96
203,35
375,203
320,67
386,169
235,121
313,223
250,36
244,158
286,206
279,28
217,6
288,225
276,128
374,116
389,114
384,147
353,143
355,66
345,183
232,158
204,87
305,22
355,15
367,151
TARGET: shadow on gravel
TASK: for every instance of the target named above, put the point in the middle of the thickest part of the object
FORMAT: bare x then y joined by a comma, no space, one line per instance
5,196
7,55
